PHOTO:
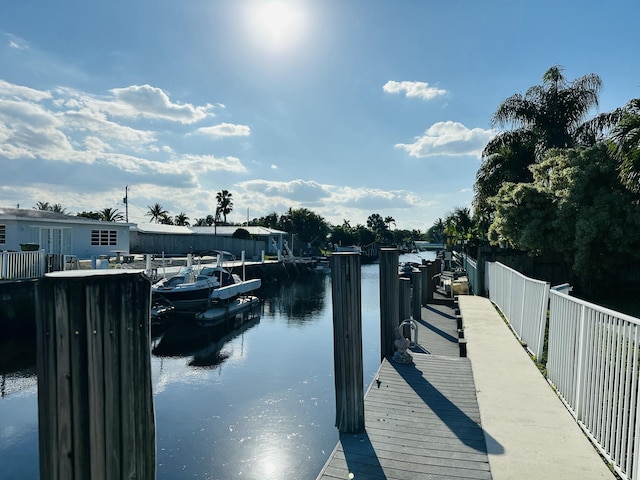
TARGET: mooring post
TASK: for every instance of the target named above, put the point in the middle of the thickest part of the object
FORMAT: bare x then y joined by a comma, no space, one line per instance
389,300
405,305
95,400
426,284
347,341
416,298
431,283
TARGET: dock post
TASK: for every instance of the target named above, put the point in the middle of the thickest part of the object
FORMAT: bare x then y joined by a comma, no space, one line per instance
426,284
431,284
405,305
95,400
389,299
346,290
416,299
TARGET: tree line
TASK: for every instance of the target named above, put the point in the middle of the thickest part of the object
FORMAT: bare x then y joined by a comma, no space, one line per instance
554,182
561,184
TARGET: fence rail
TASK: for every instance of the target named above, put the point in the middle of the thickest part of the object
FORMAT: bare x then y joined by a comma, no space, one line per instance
593,359
593,363
22,265
523,301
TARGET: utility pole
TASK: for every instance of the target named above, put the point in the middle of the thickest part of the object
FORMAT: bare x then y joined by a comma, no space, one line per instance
126,203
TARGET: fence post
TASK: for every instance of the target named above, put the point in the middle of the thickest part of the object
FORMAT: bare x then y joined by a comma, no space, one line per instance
347,341
95,401
4,266
389,298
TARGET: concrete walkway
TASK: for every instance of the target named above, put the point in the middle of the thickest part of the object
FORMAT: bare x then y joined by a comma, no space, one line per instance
528,431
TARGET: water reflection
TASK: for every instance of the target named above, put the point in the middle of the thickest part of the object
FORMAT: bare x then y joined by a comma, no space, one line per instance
205,344
298,300
251,400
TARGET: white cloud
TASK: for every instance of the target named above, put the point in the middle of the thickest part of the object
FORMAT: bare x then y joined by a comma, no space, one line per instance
16,92
414,89
295,190
152,102
225,130
448,139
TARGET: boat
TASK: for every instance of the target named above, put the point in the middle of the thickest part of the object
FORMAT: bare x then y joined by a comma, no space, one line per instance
323,266
192,289
220,311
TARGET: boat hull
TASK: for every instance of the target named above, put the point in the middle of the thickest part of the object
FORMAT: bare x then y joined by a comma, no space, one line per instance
218,313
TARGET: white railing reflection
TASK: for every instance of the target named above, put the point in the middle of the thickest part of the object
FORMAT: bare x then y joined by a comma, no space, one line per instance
22,265
593,364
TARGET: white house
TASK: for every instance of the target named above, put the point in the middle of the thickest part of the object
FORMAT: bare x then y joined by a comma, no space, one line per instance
58,233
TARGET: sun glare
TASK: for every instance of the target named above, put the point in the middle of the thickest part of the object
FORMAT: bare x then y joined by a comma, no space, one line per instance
277,25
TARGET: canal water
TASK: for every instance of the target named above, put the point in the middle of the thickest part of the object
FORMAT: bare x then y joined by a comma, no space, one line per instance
254,400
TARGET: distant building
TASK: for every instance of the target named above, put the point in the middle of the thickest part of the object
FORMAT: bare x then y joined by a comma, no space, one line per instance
158,238
61,234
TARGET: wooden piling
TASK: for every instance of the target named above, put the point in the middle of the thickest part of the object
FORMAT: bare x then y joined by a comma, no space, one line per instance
389,299
346,291
426,284
416,298
405,305
431,283
95,402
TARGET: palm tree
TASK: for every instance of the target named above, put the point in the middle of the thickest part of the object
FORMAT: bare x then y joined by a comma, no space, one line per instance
554,112
225,203
625,145
181,219
46,206
110,215
156,212
550,115
388,221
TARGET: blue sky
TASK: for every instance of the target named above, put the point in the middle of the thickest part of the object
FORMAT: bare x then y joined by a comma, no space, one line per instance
344,107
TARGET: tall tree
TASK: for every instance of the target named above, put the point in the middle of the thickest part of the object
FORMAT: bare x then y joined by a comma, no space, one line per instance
48,207
225,203
181,219
110,215
625,145
156,212
551,115
388,221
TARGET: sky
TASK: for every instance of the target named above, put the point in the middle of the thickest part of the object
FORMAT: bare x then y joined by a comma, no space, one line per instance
344,107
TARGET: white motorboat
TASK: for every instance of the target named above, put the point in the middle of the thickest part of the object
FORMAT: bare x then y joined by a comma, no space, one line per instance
192,289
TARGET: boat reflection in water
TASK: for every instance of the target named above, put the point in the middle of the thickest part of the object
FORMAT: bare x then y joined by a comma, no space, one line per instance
204,343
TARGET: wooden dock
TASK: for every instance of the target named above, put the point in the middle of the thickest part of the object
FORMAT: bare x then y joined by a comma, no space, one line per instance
421,420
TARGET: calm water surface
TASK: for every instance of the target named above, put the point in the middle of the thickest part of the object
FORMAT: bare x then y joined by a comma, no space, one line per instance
252,402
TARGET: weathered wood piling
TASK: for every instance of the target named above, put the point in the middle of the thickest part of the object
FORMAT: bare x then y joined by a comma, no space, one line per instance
389,299
416,298
347,341
95,402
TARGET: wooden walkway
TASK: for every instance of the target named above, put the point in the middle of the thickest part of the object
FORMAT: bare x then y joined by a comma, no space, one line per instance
421,420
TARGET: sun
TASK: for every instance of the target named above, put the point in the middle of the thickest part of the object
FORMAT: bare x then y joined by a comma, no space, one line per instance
277,25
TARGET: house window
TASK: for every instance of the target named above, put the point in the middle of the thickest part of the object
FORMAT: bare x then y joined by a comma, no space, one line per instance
104,237
3,234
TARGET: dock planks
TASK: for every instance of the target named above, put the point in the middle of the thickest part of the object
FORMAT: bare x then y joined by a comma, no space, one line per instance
422,422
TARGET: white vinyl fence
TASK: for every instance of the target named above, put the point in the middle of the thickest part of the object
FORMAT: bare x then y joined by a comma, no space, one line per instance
593,364
523,301
22,265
